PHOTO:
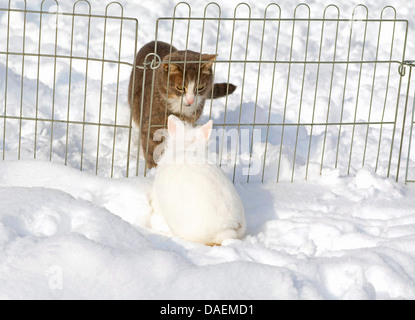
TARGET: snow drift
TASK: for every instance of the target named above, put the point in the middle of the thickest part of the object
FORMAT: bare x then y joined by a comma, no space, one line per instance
66,234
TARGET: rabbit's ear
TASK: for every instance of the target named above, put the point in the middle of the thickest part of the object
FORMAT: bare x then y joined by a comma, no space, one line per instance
175,126
206,130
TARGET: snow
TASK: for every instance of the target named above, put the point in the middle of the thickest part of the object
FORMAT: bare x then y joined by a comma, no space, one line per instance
334,238
69,234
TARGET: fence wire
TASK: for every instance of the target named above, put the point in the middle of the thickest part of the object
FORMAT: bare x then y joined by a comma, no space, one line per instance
410,163
69,84
313,93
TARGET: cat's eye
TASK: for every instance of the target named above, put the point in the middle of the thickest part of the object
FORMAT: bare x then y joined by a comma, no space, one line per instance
200,88
179,88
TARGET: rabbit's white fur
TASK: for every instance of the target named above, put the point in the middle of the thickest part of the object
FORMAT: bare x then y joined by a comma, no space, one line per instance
197,200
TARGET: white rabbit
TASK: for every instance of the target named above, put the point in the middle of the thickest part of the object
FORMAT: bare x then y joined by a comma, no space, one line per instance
196,198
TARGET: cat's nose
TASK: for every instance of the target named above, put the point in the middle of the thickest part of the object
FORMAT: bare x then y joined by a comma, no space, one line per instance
190,100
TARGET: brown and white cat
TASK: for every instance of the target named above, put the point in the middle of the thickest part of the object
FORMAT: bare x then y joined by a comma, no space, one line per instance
185,98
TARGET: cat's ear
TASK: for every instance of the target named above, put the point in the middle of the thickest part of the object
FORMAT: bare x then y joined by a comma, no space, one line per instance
174,68
207,66
175,126
206,130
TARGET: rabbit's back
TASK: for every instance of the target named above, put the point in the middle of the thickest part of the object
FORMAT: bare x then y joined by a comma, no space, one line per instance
199,202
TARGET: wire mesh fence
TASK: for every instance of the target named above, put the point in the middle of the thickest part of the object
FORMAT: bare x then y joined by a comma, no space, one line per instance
410,163
61,95
312,93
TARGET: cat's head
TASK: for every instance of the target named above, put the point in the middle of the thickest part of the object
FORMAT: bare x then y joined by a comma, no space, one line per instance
188,83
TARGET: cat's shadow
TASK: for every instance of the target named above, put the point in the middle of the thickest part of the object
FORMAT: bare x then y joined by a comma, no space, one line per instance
243,117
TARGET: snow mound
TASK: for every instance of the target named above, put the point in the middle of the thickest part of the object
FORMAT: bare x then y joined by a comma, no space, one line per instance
67,234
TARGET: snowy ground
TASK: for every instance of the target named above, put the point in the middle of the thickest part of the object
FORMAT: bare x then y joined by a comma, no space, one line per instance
67,234
70,234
